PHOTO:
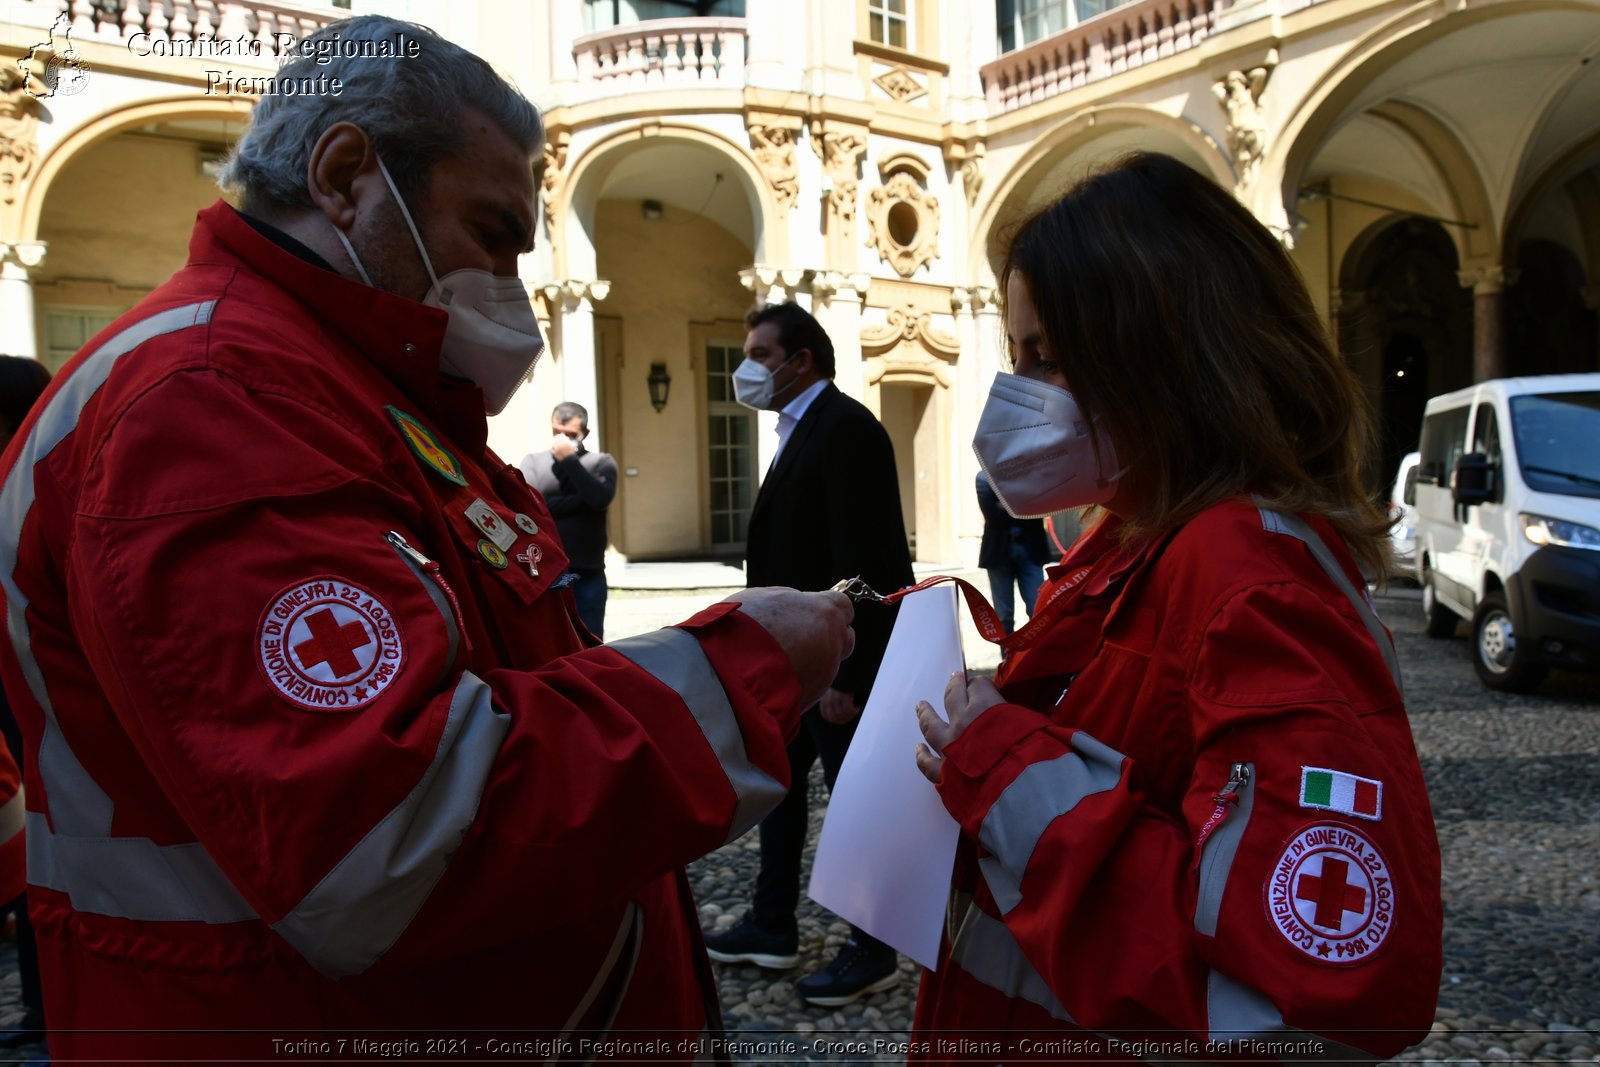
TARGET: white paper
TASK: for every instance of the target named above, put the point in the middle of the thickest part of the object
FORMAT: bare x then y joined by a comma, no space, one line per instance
888,846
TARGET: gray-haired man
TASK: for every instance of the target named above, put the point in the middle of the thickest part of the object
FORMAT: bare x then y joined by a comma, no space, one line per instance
315,746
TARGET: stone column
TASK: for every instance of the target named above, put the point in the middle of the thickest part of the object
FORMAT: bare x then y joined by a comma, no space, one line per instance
17,337
1488,284
836,301
574,301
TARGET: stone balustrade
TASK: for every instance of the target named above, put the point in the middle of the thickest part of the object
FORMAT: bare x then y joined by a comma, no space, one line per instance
662,52
256,32
1121,39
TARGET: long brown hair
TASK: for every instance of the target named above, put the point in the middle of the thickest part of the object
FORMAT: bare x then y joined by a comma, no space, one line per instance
1182,324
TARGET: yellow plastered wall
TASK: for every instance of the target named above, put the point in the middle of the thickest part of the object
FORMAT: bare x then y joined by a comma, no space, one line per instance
667,276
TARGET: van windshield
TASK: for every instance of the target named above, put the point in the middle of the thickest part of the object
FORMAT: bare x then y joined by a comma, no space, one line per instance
1556,435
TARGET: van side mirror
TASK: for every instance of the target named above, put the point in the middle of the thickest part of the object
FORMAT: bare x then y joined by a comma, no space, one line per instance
1409,493
1472,482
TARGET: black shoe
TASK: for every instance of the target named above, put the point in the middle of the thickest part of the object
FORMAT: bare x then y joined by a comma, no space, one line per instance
749,943
855,972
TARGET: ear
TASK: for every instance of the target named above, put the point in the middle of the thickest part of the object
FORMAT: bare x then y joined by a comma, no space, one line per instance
343,168
804,363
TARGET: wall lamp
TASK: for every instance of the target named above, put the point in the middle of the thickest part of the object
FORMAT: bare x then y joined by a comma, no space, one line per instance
1323,190
660,383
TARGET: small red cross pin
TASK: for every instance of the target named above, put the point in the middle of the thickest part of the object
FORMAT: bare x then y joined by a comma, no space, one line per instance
531,556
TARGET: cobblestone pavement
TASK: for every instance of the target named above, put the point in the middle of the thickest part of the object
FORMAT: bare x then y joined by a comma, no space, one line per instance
1516,797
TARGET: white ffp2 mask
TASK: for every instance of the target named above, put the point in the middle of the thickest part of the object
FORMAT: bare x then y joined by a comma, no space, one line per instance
752,384
493,337
1037,448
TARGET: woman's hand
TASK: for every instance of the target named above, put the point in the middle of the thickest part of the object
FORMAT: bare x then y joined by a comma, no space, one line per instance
963,702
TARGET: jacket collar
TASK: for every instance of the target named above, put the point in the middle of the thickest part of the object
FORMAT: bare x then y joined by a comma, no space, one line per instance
401,338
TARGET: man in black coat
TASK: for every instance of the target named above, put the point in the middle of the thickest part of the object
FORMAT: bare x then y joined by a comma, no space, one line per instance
829,508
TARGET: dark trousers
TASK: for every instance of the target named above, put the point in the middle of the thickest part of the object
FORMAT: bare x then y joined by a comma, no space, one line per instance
783,831
589,593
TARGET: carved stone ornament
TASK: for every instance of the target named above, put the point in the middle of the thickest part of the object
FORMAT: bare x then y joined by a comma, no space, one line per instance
900,84
773,145
19,125
841,152
554,173
1239,94
908,325
903,223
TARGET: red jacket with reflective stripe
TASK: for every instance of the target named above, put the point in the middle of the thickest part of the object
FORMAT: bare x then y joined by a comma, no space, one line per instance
1127,879
287,773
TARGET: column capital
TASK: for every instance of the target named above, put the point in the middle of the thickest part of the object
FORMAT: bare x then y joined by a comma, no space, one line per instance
843,285
574,293
1488,279
27,254
772,284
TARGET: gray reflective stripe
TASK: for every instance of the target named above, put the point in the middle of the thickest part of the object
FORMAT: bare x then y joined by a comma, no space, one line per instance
132,877
369,898
1296,527
677,661
77,804
986,950
11,813
1041,793
1235,1011
1216,858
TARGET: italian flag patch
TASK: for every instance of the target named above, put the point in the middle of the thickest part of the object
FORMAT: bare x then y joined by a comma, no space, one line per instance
1341,792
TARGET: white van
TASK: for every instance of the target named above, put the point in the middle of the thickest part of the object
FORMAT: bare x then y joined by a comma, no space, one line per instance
1507,494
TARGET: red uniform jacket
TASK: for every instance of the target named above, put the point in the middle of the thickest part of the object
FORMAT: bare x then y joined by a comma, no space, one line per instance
314,743
1198,827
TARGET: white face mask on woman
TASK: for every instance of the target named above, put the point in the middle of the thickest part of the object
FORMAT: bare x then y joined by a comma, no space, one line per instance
1037,448
493,337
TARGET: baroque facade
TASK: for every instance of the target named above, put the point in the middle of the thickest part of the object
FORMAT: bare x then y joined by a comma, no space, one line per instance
1433,165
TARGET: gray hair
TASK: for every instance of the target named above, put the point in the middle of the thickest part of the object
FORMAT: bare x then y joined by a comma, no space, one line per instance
568,410
401,83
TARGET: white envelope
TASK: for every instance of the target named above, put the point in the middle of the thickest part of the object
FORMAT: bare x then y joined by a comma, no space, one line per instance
888,847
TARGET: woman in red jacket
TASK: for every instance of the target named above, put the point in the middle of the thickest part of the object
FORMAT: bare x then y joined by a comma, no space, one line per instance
1194,823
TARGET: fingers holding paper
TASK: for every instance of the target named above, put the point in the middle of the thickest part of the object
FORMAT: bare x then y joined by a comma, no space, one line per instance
964,701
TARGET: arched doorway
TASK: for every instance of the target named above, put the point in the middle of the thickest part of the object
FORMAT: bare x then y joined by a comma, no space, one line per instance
669,221
1405,326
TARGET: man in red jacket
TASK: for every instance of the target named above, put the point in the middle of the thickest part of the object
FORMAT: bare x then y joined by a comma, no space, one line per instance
314,744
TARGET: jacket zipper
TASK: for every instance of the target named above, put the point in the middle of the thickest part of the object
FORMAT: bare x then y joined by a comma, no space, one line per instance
1225,799
444,598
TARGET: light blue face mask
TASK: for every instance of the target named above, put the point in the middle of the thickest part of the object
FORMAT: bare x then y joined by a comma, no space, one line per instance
493,337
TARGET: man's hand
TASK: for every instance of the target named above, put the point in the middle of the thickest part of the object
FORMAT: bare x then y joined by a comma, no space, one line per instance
838,707
562,446
963,702
813,628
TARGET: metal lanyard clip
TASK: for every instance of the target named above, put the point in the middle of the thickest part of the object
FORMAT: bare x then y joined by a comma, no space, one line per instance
858,590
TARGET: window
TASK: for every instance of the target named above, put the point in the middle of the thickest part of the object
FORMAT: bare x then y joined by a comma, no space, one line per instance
1444,438
887,22
1555,435
1022,22
603,14
731,440
67,329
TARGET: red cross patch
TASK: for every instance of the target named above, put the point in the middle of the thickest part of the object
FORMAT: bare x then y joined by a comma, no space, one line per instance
327,645
1331,894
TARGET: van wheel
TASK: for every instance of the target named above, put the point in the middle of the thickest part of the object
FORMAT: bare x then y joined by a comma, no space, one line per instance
1501,661
1437,620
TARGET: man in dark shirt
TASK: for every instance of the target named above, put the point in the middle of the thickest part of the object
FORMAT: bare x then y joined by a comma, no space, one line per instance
578,485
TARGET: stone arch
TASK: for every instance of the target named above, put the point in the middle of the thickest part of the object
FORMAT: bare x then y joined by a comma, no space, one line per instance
1561,170
768,233
1081,130
109,124
1317,114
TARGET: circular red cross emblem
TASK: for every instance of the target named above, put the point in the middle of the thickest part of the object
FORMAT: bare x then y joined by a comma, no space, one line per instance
328,645
1331,894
